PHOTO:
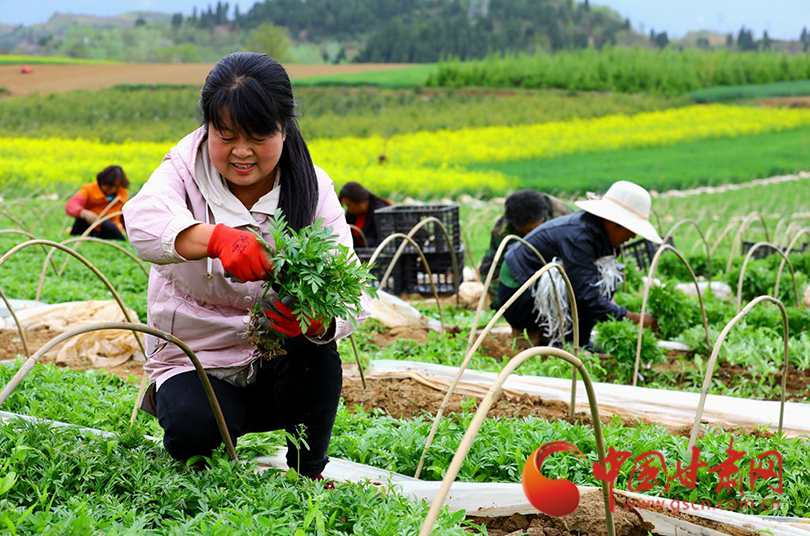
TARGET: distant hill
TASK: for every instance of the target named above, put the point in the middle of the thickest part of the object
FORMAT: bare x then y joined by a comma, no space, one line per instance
429,30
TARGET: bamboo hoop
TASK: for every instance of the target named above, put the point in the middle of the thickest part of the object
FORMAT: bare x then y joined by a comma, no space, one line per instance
707,380
209,392
407,238
448,241
96,223
694,224
107,243
16,322
708,235
360,232
729,226
451,389
779,225
776,287
29,235
650,276
792,226
803,231
84,261
14,220
491,276
486,405
741,231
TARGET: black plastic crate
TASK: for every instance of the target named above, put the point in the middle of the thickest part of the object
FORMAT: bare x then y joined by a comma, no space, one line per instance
402,218
395,283
643,251
441,268
766,251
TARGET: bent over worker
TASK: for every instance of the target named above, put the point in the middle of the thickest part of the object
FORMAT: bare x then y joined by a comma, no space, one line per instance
95,200
584,244
523,211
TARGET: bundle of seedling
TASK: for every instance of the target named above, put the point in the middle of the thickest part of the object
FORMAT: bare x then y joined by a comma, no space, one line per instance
313,275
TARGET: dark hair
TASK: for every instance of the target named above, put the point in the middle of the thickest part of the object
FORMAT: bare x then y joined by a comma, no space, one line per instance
357,193
112,176
524,207
354,192
251,93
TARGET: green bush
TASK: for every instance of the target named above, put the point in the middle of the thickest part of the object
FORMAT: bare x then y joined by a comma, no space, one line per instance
625,70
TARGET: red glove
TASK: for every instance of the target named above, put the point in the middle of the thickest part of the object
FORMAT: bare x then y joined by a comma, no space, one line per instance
281,319
241,253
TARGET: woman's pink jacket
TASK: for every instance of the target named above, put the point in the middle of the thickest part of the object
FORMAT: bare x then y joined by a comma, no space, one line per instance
193,300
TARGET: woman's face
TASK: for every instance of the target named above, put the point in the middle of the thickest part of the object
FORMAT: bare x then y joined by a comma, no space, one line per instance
243,160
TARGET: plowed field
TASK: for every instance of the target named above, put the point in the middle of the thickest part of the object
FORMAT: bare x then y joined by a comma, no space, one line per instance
55,78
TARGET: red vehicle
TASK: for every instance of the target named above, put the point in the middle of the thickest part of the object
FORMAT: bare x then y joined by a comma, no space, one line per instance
26,70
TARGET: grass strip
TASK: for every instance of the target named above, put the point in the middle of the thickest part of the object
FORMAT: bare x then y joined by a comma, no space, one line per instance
406,77
684,165
796,88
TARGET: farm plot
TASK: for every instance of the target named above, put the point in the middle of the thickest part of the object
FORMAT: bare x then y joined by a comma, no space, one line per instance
445,162
369,428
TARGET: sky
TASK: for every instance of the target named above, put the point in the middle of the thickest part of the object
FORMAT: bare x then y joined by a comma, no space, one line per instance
783,19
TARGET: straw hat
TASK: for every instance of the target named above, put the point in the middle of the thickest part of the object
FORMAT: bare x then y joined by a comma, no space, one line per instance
626,204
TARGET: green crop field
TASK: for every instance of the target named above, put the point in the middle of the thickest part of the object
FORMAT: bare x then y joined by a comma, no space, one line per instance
796,88
705,162
407,77
469,133
669,72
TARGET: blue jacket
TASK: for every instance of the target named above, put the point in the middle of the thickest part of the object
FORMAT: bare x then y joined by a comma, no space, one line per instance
577,240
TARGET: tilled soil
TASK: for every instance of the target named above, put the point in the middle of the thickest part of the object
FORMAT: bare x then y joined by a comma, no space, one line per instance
58,78
588,518
408,398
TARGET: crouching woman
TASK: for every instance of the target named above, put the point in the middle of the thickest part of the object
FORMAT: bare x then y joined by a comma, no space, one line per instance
192,221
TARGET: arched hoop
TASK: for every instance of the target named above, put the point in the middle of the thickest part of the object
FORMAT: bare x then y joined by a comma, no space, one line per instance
16,322
741,231
707,380
694,224
486,405
360,232
491,276
96,223
84,261
407,238
803,231
29,236
107,243
451,389
447,240
650,276
209,392
748,258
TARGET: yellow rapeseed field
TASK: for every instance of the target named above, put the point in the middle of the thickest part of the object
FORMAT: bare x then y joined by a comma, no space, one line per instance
418,163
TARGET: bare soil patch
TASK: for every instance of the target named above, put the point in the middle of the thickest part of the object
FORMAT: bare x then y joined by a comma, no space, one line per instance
588,518
785,102
59,78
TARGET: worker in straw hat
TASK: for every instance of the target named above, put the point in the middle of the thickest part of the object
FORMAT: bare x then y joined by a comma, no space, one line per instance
584,243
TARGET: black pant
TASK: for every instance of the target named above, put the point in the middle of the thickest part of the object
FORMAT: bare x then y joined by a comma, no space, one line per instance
107,230
301,387
521,314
